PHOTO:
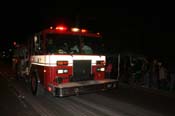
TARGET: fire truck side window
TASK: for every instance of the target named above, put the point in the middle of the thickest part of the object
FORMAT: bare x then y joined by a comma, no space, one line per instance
37,44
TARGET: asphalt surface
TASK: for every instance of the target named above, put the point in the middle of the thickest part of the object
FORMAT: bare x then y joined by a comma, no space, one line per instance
126,100
11,102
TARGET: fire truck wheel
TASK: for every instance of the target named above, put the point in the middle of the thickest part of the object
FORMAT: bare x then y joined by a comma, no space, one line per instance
35,85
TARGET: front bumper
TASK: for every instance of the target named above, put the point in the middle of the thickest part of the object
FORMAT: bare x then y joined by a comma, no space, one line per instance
75,88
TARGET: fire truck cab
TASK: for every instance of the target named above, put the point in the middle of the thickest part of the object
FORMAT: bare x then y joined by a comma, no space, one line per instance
67,61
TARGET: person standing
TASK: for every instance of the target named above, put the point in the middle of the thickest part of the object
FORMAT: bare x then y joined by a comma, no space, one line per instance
162,76
172,81
154,78
109,69
146,73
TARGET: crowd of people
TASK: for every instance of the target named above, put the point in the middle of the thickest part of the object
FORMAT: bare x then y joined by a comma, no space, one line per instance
149,73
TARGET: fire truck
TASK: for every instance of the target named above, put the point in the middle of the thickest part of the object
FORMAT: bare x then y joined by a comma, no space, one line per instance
58,62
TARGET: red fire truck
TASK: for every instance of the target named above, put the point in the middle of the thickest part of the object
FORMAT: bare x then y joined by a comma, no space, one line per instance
67,61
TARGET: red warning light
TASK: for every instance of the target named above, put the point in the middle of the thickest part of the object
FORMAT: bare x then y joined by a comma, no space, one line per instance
51,27
49,89
14,43
61,28
98,33
83,30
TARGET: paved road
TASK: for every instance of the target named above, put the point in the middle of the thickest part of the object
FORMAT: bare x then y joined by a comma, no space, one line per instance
11,103
125,101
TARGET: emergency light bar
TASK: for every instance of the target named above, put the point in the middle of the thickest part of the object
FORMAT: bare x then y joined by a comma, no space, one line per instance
64,28
75,29
61,28
83,30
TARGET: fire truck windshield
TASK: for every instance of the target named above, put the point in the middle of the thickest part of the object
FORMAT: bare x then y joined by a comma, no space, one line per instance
73,44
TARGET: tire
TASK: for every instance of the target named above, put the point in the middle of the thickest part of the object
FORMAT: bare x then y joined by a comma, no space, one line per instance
36,88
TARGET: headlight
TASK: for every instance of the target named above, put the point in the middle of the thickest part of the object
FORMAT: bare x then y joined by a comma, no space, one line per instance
61,71
65,71
101,69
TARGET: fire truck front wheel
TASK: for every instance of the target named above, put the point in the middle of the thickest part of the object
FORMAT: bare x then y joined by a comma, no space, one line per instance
35,84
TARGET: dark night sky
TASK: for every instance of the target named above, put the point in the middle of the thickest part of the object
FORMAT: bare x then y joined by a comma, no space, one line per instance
138,26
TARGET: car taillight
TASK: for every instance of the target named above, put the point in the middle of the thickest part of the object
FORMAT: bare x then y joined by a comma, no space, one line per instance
61,63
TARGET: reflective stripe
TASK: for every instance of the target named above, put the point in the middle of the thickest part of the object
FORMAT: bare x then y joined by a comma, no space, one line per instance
50,60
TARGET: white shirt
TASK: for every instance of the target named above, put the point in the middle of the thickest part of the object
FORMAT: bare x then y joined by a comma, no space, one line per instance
87,50
75,48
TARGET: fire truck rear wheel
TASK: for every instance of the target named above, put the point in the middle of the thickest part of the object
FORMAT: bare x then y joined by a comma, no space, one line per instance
35,84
